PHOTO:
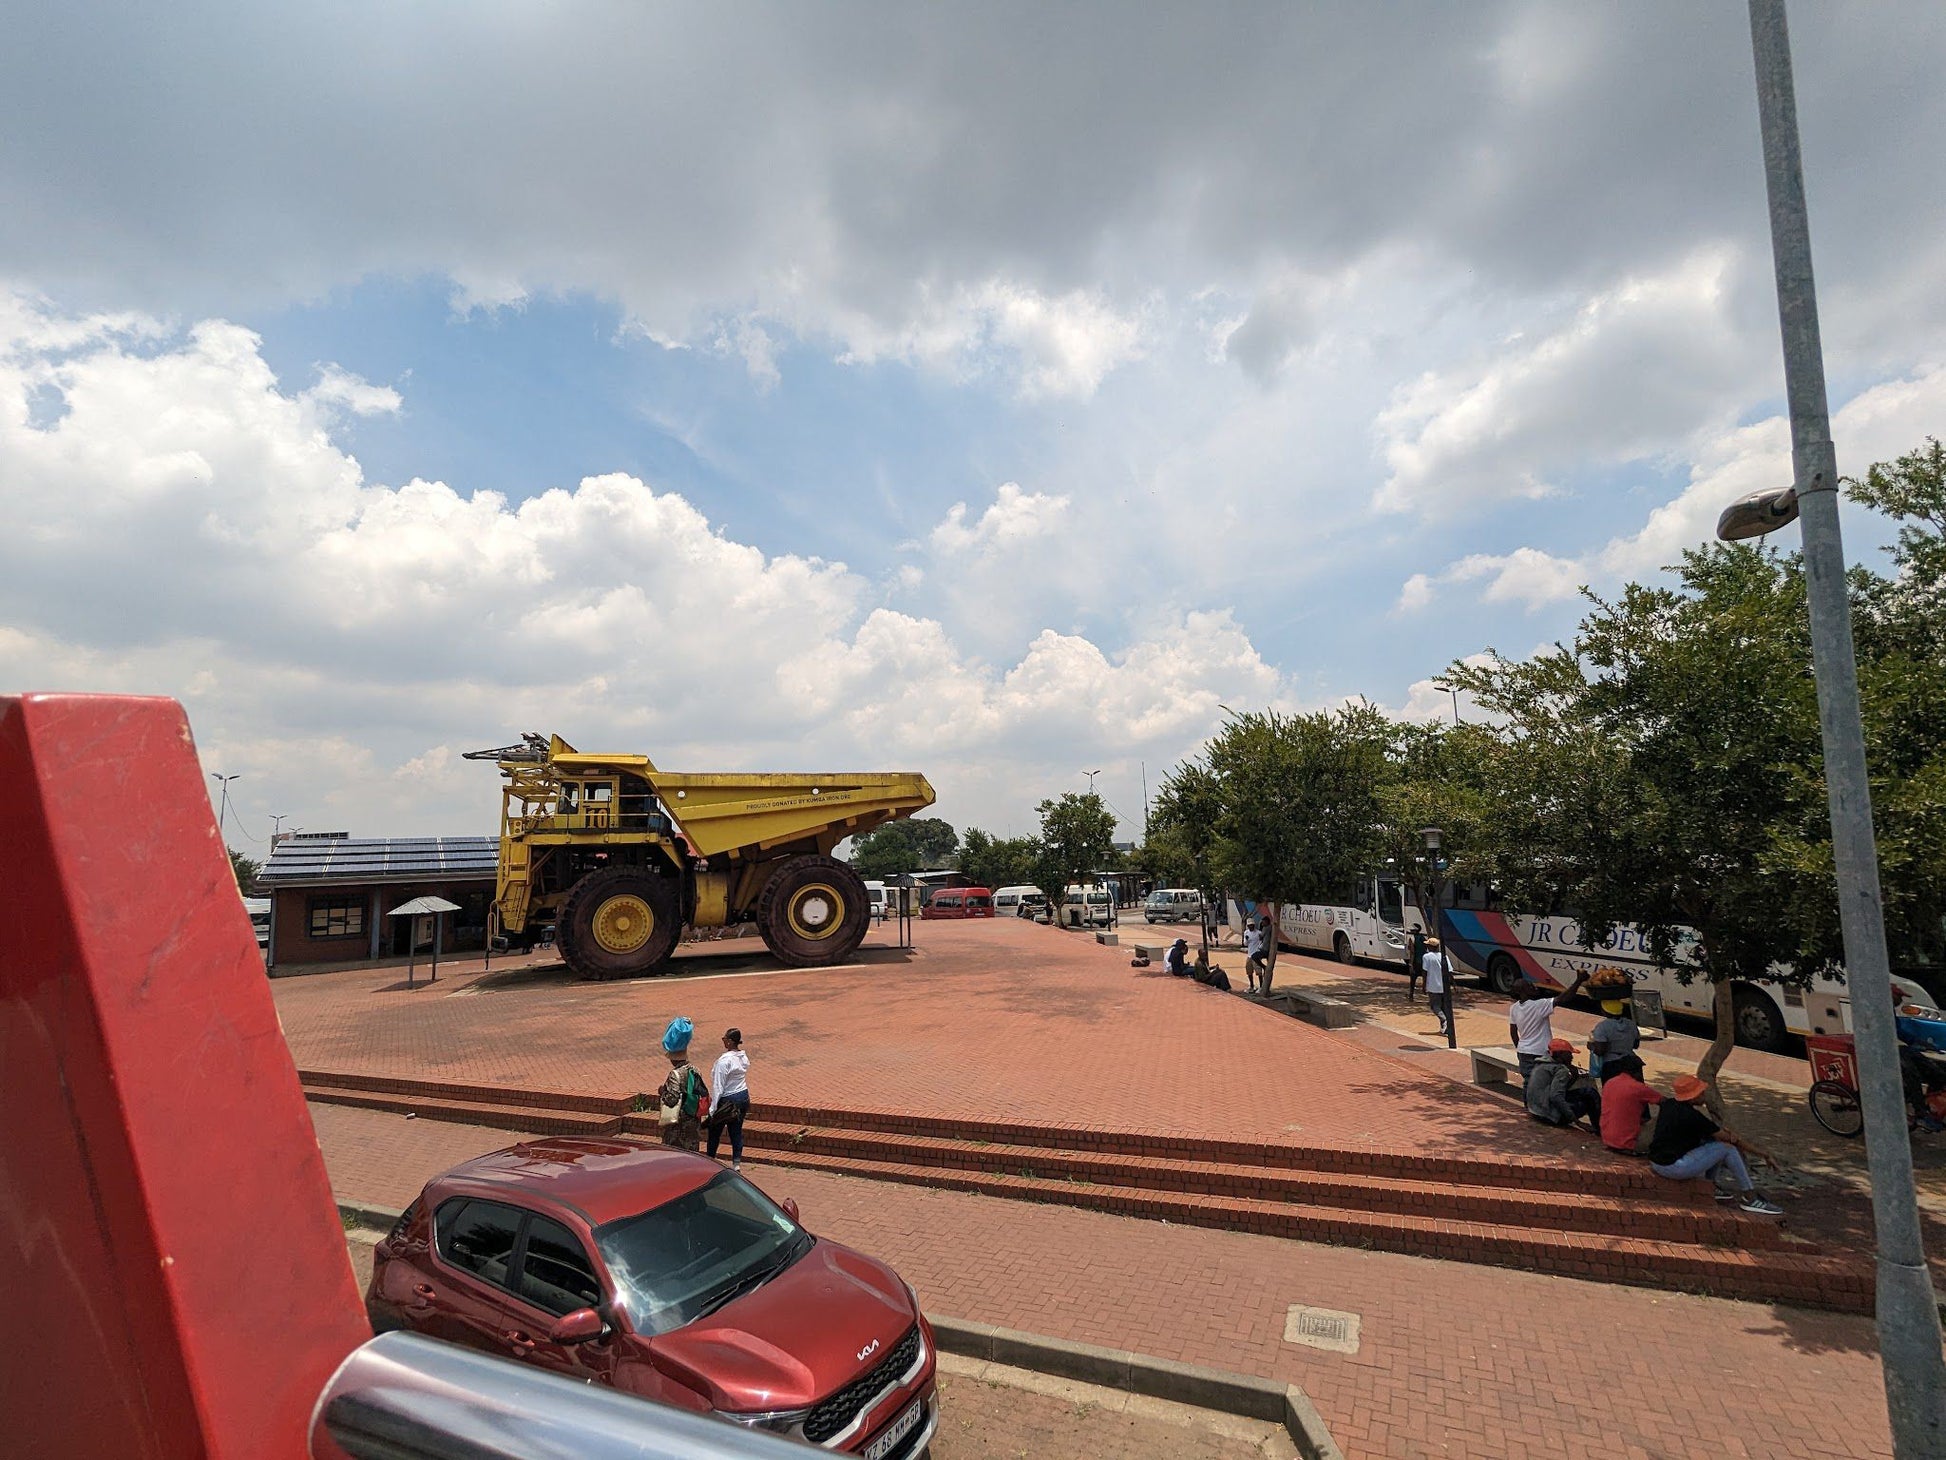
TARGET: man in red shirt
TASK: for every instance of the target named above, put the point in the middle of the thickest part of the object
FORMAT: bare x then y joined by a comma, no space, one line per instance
1625,1102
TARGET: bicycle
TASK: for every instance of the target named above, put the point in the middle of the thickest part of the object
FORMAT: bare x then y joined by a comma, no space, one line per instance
1834,1086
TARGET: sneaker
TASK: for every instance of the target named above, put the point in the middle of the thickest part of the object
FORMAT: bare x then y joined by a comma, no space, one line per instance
1758,1207
736,1165
1726,1196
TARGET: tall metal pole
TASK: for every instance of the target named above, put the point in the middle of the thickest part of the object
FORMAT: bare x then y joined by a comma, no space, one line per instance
1908,1320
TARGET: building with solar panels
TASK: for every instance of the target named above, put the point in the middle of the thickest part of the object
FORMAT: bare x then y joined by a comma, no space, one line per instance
331,896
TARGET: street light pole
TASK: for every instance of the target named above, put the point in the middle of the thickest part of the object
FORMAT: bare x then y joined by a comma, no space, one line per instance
1908,1320
223,807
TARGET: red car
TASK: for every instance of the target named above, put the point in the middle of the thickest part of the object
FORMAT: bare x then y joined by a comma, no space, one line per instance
959,902
659,1272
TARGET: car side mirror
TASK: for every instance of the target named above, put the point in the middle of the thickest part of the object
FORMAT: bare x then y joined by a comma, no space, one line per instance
579,1326
790,1209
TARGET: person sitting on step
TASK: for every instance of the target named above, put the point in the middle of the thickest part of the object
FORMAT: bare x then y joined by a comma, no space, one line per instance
1560,1094
1688,1144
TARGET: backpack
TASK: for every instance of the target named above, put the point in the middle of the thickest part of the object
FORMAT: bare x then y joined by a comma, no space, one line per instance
695,1094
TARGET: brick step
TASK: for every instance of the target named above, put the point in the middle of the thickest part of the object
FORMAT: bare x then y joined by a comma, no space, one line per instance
1594,1174
1797,1278
471,1112
478,1094
1661,1220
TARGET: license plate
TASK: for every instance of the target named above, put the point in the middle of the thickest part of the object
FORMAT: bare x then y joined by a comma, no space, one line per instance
904,1425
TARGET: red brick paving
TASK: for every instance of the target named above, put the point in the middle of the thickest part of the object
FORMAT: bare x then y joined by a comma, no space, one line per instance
1454,1359
989,1020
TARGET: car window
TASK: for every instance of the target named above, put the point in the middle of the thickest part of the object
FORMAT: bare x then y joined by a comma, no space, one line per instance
678,1261
478,1237
556,1274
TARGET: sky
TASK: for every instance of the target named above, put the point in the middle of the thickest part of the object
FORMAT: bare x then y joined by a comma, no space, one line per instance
1006,392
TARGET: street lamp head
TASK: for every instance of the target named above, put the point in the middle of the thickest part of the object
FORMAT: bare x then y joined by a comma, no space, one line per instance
1431,834
1756,513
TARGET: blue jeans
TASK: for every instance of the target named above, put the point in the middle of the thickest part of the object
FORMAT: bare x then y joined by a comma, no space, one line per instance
1706,1160
730,1111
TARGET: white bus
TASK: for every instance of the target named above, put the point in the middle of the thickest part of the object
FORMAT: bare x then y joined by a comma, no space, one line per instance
1375,924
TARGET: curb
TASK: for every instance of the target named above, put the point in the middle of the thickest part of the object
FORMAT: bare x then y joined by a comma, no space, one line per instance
1136,1373
1112,1368
367,1215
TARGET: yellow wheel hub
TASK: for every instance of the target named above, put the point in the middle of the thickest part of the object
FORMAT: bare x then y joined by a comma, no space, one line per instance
816,911
623,923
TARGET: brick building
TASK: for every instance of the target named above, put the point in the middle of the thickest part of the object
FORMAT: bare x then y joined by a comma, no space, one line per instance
330,895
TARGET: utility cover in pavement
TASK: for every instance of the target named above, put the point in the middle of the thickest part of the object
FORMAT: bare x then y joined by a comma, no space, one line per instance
1324,1328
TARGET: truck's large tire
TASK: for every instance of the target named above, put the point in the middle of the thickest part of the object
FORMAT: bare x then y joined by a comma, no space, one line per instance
619,922
813,911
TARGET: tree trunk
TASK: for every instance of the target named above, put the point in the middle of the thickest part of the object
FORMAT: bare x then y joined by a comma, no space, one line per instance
1724,1011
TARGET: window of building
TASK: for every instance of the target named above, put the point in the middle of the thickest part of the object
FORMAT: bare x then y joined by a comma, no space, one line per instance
335,917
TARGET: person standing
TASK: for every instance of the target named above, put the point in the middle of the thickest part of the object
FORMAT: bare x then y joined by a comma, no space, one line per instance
684,1097
1530,1022
1437,970
1415,960
729,1096
1253,956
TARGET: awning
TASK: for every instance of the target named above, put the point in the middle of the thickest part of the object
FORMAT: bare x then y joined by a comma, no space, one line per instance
423,905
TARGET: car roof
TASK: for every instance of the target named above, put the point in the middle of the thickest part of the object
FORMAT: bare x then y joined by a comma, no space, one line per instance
602,1178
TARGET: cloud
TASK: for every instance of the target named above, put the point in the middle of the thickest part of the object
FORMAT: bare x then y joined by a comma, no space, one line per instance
188,527
1878,424
1631,367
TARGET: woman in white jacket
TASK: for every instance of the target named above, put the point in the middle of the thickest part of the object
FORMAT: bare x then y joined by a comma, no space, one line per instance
729,1097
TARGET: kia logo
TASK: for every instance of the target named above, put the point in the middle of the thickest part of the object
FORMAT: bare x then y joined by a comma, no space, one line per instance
867,1351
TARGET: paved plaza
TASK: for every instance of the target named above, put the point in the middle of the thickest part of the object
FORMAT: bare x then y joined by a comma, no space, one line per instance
1009,1020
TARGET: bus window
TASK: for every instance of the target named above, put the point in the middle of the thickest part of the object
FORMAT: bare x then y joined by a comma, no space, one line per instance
1391,904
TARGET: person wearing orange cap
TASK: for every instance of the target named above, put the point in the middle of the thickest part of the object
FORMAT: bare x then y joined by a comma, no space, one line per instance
1560,1094
1688,1144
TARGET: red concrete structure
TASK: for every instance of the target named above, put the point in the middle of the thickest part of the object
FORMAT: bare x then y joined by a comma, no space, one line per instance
155,1135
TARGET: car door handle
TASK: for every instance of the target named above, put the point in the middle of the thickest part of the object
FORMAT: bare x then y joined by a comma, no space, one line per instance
518,1339
424,1290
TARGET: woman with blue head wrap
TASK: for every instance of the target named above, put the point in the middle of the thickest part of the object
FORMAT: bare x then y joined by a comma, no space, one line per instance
683,1100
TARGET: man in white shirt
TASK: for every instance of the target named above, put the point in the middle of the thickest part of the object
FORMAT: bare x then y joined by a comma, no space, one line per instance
1530,1022
1435,967
1253,956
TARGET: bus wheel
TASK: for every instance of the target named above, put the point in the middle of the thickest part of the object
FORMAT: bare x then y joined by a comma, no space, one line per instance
1503,973
1758,1023
1341,948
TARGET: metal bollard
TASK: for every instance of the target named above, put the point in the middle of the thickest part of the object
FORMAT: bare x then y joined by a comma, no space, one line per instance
406,1397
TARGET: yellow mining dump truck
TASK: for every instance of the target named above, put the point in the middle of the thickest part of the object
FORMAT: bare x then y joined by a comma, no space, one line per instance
620,856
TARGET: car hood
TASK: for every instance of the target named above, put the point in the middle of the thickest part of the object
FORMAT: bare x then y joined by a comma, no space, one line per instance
827,1320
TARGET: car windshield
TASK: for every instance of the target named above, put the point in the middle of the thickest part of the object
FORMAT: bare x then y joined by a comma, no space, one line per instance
688,1257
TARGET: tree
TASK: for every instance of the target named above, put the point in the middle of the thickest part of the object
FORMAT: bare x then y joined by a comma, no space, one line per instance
1301,808
1077,838
1182,828
1653,772
1000,862
909,844
1438,778
245,870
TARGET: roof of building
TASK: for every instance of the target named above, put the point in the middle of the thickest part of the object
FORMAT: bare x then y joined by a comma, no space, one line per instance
380,859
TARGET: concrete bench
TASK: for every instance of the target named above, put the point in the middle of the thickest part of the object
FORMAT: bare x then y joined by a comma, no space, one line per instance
1319,1009
1154,952
1492,1066
1108,939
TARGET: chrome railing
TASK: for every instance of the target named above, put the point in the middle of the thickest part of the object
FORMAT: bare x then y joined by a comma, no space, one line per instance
406,1397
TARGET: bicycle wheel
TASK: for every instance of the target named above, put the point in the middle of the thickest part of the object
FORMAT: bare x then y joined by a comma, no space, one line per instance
1835,1105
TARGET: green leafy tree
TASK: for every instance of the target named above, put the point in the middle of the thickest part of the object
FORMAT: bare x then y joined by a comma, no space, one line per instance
245,870
1000,861
1438,778
1302,806
1182,828
1652,772
1077,838
909,844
